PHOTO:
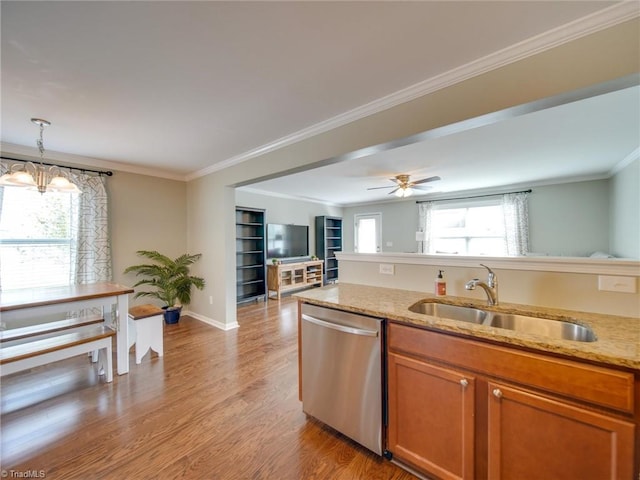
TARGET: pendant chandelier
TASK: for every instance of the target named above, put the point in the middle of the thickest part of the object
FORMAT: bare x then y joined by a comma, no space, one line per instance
38,176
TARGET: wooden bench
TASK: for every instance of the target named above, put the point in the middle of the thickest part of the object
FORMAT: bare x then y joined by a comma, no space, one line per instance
46,343
145,330
48,327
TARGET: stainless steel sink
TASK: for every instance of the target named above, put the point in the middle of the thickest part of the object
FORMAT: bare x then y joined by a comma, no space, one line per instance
558,329
542,326
452,312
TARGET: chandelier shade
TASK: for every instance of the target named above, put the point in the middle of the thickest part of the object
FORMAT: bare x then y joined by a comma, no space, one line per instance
37,176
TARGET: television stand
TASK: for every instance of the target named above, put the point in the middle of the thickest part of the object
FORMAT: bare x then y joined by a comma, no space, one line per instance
284,277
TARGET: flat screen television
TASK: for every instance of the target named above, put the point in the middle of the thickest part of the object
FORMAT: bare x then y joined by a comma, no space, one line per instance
287,241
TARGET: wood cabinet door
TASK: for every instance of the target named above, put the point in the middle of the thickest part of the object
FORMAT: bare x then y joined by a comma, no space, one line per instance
431,417
532,437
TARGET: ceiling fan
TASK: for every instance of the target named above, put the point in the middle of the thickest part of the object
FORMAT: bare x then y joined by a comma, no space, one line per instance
404,187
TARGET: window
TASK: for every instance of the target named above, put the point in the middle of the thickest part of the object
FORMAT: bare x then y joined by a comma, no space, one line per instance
55,238
495,226
35,238
473,230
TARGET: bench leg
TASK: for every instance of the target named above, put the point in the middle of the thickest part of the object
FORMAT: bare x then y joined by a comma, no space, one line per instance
106,363
149,337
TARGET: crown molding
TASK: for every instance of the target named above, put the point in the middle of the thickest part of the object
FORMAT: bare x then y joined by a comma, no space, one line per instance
609,17
257,191
33,154
625,162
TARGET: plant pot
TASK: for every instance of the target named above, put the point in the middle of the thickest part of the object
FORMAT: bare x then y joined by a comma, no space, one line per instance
172,314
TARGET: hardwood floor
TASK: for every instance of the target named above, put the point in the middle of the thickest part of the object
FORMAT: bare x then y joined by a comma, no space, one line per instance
218,405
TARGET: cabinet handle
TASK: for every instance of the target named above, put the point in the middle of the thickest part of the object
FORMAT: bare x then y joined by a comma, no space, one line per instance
497,393
464,382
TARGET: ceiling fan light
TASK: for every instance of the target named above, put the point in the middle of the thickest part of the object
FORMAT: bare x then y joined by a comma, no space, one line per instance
403,192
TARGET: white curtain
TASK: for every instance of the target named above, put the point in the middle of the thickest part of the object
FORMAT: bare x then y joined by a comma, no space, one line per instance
425,210
90,248
515,207
4,168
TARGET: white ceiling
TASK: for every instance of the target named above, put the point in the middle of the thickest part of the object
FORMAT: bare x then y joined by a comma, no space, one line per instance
582,140
182,88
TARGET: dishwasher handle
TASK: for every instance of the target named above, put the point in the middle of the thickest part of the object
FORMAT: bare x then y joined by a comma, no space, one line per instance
340,328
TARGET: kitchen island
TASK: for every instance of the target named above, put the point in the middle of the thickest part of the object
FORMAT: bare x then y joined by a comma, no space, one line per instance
618,338
467,400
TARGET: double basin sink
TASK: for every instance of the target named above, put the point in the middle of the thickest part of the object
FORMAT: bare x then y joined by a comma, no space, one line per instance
557,329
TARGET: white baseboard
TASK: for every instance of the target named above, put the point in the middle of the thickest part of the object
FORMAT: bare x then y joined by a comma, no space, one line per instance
212,322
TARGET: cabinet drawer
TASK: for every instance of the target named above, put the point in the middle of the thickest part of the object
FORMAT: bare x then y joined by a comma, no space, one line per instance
587,383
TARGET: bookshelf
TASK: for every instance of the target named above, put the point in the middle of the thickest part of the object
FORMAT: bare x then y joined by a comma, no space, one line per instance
250,254
328,242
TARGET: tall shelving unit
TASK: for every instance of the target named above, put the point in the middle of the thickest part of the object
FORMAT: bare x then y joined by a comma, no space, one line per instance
328,242
250,254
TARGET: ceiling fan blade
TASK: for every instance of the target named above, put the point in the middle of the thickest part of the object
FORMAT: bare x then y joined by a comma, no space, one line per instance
425,180
378,188
394,191
421,187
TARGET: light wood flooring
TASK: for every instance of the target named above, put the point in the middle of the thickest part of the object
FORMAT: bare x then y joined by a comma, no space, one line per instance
219,405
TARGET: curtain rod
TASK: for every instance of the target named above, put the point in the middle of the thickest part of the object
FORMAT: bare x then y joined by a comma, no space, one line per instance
108,173
475,196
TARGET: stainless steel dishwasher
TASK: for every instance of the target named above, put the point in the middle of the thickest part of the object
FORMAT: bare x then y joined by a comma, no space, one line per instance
342,372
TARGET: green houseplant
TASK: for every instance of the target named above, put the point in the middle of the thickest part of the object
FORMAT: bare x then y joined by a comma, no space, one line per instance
170,280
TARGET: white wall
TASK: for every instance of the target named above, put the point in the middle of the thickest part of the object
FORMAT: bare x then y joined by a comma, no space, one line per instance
569,219
624,205
399,224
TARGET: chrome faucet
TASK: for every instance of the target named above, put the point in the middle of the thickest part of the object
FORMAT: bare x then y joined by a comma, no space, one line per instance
490,287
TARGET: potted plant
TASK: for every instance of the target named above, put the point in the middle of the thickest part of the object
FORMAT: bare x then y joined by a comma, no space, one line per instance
170,280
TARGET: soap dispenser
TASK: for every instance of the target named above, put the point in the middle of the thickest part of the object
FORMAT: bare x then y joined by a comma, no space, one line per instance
441,285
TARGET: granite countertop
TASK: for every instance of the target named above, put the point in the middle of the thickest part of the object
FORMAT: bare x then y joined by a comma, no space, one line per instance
617,344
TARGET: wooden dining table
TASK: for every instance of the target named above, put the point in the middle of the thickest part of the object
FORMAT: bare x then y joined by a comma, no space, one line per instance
26,306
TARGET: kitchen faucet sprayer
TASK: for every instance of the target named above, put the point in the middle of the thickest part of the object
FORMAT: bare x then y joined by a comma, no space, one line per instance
490,287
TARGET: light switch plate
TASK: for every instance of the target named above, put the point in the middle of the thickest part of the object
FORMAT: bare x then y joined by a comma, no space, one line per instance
616,284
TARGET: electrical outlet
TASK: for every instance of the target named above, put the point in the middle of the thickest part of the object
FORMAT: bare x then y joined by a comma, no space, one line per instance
210,300
387,269
617,284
